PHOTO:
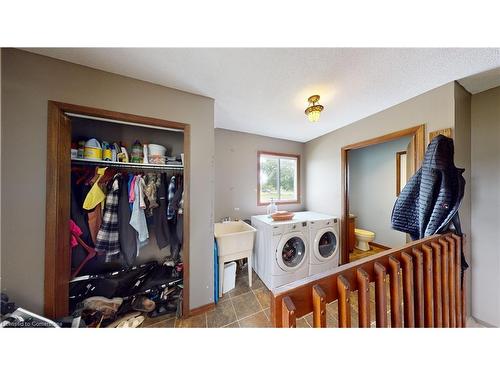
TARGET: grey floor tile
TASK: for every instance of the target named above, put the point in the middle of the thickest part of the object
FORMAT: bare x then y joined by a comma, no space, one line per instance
222,315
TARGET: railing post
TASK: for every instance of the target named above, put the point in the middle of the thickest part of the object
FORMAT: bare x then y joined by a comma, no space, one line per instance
395,272
363,298
458,281
319,307
445,283
438,311
344,289
409,309
451,273
288,313
380,295
418,274
428,294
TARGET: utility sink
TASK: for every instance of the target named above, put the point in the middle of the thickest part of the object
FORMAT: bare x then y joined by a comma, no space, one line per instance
234,237
235,241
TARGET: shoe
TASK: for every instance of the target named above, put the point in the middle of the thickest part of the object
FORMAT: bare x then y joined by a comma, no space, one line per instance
92,318
119,323
131,323
107,306
143,304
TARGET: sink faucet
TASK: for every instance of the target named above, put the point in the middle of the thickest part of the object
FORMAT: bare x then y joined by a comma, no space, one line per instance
226,219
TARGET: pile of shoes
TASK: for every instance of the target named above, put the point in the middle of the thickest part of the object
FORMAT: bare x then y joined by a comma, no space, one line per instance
113,312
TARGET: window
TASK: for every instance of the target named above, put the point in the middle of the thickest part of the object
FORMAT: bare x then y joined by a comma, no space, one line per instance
278,178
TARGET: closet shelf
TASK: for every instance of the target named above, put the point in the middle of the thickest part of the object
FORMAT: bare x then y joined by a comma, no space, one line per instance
114,164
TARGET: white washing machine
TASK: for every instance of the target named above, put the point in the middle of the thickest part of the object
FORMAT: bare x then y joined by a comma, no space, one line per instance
324,241
281,252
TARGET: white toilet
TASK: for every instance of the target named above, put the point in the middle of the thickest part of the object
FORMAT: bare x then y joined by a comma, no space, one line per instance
362,238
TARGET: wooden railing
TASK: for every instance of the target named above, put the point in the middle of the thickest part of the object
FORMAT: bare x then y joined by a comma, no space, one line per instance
417,285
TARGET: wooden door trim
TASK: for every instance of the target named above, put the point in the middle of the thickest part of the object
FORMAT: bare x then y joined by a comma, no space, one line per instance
58,195
418,134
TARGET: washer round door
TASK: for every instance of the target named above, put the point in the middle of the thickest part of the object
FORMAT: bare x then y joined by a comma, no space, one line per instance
291,251
325,244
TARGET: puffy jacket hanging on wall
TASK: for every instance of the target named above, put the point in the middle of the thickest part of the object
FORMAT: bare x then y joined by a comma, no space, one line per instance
430,200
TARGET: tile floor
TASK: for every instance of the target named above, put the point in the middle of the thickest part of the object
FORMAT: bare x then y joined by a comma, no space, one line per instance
242,307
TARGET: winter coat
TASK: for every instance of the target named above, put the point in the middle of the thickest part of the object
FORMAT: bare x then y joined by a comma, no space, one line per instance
431,198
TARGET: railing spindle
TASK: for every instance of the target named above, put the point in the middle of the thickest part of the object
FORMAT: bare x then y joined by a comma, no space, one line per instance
395,272
458,271
344,290
451,272
426,289
288,313
438,311
418,274
380,295
445,290
319,307
408,306
363,298
428,297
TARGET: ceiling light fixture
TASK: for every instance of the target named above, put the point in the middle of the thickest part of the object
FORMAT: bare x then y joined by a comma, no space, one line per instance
314,109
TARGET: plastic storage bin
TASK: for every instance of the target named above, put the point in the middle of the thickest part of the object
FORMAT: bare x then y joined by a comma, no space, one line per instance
229,276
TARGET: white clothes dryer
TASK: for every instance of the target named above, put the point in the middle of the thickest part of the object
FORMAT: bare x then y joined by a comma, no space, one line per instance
324,241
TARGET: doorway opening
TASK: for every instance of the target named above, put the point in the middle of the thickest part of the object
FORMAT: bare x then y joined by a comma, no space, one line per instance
402,153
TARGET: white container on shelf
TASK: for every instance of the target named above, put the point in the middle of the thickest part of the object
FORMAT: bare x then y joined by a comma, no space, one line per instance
157,149
229,276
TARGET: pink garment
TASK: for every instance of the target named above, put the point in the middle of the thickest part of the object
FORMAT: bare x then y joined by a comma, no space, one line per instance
75,231
131,194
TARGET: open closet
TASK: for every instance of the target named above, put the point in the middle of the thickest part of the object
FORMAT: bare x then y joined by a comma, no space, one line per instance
117,211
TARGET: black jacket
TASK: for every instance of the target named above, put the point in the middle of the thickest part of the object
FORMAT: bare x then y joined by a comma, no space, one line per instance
431,198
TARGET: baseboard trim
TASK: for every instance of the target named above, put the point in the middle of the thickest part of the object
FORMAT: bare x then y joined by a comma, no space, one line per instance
201,309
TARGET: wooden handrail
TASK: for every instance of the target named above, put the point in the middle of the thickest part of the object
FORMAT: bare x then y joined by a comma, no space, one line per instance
423,279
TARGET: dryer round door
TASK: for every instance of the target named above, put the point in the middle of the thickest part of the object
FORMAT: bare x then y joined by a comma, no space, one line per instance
291,251
325,244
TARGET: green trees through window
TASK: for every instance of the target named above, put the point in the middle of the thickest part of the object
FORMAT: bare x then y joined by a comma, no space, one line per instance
278,178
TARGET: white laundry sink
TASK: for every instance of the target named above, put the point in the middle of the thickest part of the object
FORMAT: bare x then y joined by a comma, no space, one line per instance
234,237
235,241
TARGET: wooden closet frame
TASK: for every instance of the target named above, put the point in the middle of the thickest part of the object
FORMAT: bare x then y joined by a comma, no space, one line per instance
418,134
58,195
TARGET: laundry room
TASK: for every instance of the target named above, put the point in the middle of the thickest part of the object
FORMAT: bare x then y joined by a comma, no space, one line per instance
257,176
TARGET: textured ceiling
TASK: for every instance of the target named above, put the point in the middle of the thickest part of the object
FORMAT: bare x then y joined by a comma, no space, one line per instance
265,91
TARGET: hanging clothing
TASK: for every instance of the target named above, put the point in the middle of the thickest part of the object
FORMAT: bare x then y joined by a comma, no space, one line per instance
431,198
75,231
95,195
77,213
177,203
171,193
127,233
95,221
160,214
138,218
152,182
108,237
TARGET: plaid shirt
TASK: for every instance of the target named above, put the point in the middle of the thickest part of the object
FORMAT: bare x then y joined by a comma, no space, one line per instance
108,240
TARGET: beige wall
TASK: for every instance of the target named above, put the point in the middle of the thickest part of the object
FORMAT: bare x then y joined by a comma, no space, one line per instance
29,81
485,243
435,109
236,172
462,138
